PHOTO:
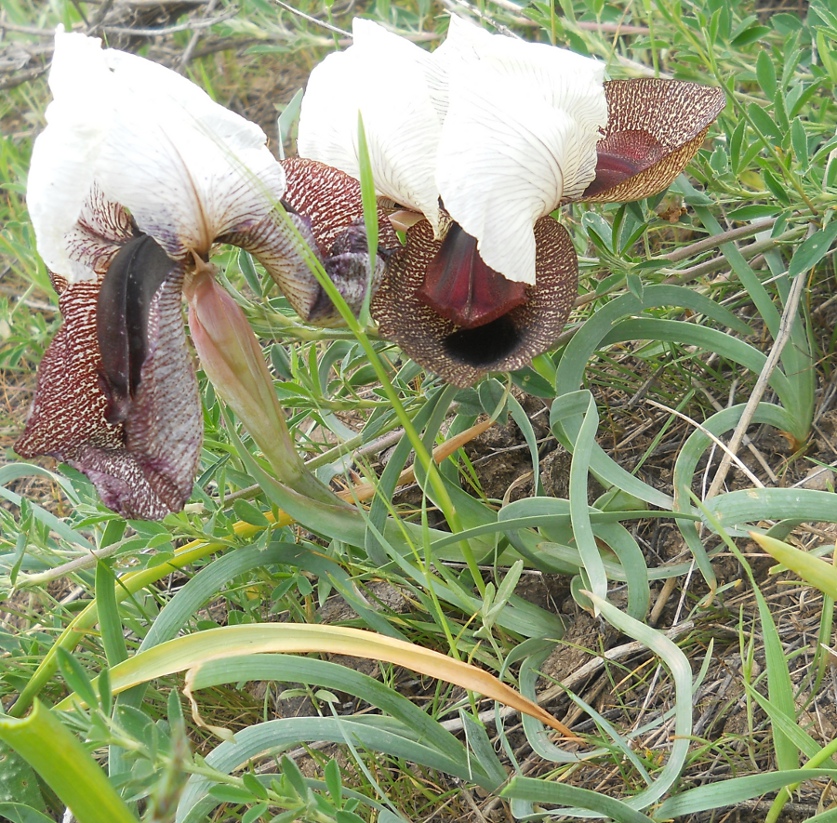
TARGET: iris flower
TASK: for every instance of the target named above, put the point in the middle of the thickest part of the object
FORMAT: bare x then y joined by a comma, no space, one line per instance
136,177
474,146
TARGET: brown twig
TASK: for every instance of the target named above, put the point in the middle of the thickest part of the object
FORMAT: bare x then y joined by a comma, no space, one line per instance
713,241
193,40
782,337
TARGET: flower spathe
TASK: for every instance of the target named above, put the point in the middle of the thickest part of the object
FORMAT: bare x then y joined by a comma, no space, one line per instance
484,138
137,175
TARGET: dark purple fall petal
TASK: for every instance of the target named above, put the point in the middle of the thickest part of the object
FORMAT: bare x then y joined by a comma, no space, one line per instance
461,288
328,202
654,129
459,355
144,467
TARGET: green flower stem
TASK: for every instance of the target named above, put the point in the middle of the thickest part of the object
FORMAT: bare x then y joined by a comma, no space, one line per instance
422,455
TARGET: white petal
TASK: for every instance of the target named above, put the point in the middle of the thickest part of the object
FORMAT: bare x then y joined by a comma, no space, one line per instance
64,155
385,78
520,134
564,79
186,168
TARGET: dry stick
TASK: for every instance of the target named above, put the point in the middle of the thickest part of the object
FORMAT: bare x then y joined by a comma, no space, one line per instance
721,262
375,446
364,491
100,15
190,26
22,77
6,25
662,599
321,23
713,241
716,263
196,36
729,452
747,442
584,25
580,675
785,325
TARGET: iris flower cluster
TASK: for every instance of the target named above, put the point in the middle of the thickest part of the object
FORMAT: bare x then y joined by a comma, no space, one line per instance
139,176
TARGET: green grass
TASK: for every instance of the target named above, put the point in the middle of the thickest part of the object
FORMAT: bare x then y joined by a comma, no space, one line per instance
708,688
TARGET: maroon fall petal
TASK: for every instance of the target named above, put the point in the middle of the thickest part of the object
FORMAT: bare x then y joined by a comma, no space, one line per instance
654,129
327,207
144,466
461,288
622,156
461,355
330,199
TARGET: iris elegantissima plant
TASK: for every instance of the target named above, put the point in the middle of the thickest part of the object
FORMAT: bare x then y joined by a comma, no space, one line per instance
474,146
135,179
139,175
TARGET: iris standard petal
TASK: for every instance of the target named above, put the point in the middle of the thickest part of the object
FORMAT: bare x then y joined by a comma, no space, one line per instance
563,79
498,175
520,134
186,168
461,356
654,128
385,78
64,155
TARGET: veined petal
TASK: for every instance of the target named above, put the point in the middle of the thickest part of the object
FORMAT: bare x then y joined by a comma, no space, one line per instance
331,200
462,356
64,155
143,467
520,134
564,79
186,168
100,231
385,78
328,206
499,171
655,127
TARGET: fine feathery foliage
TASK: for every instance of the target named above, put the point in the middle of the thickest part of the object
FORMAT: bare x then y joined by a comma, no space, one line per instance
629,540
